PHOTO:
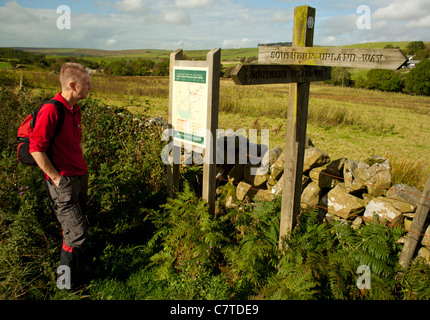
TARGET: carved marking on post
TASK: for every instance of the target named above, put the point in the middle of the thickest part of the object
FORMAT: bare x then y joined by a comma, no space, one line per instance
250,74
335,57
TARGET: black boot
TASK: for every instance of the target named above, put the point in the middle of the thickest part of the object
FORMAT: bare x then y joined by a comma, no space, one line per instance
75,260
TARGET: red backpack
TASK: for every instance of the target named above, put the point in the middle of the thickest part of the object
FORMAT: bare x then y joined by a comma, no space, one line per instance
25,131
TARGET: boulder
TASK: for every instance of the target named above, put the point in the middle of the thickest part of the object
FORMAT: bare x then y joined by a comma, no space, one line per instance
314,174
407,220
384,211
355,174
244,189
357,222
314,158
323,178
257,179
271,157
342,204
277,188
310,196
278,167
360,175
380,176
402,206
424,253
335,167
264,195
426,239
227,196
403,192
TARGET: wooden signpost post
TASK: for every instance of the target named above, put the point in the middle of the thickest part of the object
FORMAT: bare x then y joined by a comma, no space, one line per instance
193,115
299,65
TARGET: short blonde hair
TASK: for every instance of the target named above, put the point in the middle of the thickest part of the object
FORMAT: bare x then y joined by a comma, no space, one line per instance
71,71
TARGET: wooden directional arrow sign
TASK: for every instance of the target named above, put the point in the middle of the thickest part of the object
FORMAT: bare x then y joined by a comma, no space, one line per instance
335,57
249,74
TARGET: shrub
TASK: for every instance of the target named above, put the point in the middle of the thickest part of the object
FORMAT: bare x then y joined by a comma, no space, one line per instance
384,80
418,79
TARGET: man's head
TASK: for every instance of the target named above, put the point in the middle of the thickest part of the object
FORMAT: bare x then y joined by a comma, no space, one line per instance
75,80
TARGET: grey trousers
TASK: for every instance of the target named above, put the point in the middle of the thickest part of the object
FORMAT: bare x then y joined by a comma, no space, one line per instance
69,203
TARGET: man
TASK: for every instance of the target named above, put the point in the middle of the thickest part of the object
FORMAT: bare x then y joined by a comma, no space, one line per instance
61,160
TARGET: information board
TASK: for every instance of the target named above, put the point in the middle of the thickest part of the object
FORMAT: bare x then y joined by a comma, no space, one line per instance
190,104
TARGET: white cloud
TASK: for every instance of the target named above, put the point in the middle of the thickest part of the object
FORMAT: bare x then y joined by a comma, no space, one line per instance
239,43
132,6
111,42
192,4
280,17
400,9
178,17
421,23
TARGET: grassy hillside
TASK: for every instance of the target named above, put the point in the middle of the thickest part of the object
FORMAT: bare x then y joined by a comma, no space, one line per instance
156,54
151,54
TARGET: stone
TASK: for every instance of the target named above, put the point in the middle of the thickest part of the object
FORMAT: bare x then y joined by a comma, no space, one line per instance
407,222
402,206
380,176
424,253
245,189
314,158
277,188
342,204
327,181
236,173
367,198
403,192
273,155
277,168
258,179
227,195
426,239
357,222
376,178
310,196
314,174
384,211
336,167
264,195
355,174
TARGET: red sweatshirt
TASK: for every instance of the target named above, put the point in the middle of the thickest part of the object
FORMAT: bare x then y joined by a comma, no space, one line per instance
66,149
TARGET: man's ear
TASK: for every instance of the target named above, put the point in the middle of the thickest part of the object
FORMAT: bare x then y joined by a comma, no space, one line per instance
72,85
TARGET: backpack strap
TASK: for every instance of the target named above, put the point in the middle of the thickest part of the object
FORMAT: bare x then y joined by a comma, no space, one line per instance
60,108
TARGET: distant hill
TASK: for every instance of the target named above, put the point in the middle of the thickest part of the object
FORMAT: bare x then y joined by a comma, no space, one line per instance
158,54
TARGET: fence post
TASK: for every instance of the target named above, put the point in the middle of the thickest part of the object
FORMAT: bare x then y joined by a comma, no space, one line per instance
416,227
173,169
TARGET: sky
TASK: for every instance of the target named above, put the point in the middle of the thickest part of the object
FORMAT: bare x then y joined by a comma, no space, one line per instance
204,24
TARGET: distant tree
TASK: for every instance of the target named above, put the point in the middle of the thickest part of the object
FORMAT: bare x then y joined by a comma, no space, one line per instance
142,67
341,77
162,68
422,54
414,46
384,80
418,79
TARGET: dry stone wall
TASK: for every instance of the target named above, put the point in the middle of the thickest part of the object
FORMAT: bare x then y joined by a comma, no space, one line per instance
351,190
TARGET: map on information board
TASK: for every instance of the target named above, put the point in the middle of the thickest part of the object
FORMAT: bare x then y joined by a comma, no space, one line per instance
189,107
